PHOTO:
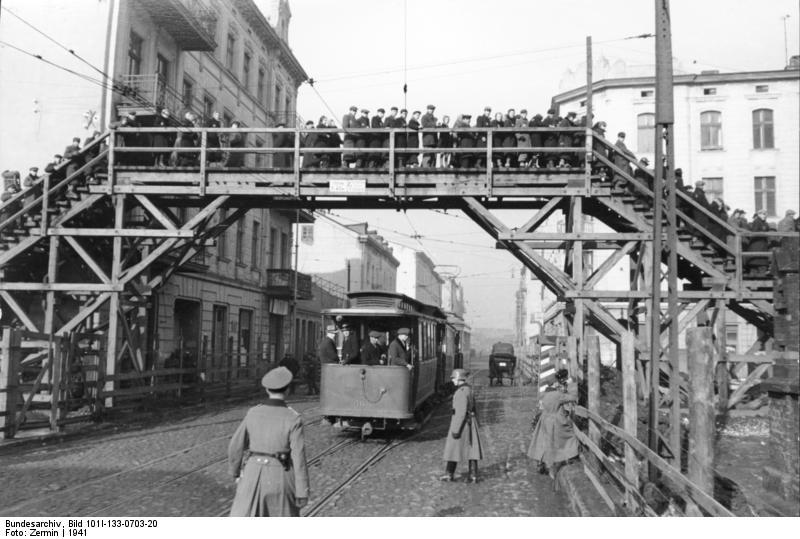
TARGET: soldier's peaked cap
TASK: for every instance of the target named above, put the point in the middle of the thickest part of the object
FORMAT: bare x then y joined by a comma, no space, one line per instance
403,331
393,108
374,333
347,325
277,378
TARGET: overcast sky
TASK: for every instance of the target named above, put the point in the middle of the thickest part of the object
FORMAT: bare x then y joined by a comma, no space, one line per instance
463,54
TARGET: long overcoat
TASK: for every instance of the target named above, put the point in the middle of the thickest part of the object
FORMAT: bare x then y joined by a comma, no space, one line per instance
553,438
463,438
326,351
265,487
398,354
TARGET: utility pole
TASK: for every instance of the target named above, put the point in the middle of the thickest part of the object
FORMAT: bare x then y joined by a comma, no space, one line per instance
785,40
664,178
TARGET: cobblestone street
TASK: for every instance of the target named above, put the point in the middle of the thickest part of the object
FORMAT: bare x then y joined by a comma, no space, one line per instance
177,467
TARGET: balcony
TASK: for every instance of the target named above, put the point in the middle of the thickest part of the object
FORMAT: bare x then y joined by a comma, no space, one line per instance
147,94
190,23
280,284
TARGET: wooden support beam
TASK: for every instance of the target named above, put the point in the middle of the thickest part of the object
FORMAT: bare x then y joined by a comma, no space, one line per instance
9,381
86,311
146,203
62,287
120,232
574,236
609,263
593,383
630,412
87,258
701,408
721,373
19,311
545,212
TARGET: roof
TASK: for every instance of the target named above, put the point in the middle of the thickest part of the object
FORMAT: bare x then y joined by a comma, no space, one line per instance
376,302
694,79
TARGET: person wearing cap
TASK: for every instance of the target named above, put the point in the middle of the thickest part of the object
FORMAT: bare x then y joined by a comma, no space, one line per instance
553,443
758,265
399,353
31,178
463,442
371,352
787,223
622,160
550,139
350,349
326,347
349,122
389,122
361,140
163,140
482,121
445,143
464,139
334,141
523,139
643,173
699,197
565,139
429,139
401,138
376,160
273,480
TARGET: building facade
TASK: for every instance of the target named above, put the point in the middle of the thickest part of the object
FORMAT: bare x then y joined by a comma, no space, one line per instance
737,131
350,257
232,305
417,277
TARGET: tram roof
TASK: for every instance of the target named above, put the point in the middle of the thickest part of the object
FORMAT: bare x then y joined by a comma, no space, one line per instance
379,303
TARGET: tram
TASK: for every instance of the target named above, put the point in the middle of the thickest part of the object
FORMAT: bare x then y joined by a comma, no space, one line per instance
388,397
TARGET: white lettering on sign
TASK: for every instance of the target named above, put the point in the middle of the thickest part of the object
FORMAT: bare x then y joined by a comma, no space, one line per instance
348,186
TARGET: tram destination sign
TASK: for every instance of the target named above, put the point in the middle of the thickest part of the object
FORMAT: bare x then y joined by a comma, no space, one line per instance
348,186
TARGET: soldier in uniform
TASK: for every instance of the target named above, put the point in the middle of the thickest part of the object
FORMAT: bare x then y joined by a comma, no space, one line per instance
326,348
429,140
371,352
463,439
274,479
350,352
399,353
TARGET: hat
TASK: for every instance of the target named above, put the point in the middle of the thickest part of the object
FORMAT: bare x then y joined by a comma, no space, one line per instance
393,108
699,183
679,172
571,114
551,111
330,328
416,112
430,107
404,110
310,122
466,116
354,108
375,334
34,169
790,212
524,111
277,378
459,375
645,160
403,331
58,156
381,110
621,134
347,326
487,108
364,111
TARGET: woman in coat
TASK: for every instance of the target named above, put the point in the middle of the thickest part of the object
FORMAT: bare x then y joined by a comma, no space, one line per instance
237,140
554,439
274,479
463,439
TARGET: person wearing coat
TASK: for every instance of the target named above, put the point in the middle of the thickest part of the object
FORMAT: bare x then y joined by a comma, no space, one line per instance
484,120
699,196
399,353
787,224
273,481
376,160
72,153
413,137
536,138
349,122
213,154
163,140
565,139
523,139
237,141
463,437
350,352
187,139
326,348
554,440
508,140
334,141
429,140
371,353
445,142
758,264
401,138
464,140
622,157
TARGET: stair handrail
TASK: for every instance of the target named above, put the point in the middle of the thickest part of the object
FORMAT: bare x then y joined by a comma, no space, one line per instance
52,189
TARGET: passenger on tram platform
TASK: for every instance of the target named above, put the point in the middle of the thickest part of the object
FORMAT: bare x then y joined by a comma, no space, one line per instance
371,352
350,352
399,350
326,348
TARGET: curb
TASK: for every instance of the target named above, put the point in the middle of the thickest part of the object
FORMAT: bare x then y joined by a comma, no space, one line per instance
584,499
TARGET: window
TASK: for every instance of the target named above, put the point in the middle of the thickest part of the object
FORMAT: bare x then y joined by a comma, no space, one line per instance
765,194
209,104
254,244
647,131
273,248
245,330
240,241
222,247
230,51
135,54
762,88
288,109
260,85
246,70
285,253
709,91
647,93
259,156
276,99
713,188
711,130
763,132
187,93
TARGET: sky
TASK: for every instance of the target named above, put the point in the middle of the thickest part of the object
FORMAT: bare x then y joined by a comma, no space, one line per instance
464,54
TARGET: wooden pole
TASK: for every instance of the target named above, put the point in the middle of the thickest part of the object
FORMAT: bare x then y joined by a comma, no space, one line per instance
9,380
593,390
630,412
701,408
721,373
572,356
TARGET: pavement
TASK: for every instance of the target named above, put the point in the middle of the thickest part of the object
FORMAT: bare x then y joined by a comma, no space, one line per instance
176,466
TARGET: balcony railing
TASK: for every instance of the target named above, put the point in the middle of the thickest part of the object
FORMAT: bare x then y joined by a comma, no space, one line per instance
281,283
190,23
149,93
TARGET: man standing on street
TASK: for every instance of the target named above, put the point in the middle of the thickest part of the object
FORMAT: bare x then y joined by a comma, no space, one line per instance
274,479
463,439
399,353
